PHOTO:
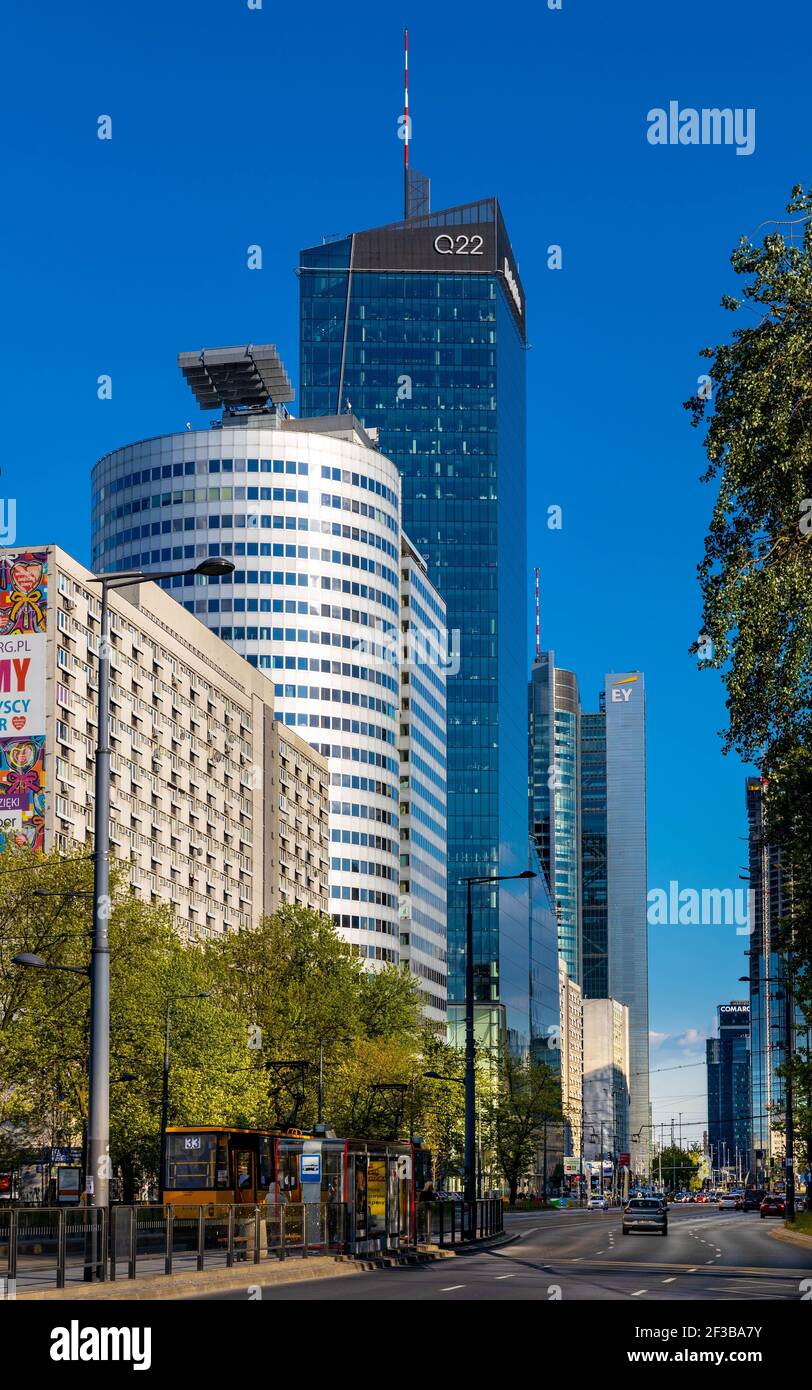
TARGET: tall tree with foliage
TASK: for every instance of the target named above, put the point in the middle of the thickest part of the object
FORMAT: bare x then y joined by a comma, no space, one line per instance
524,1102
45,910
756,575
679,1167
255,1016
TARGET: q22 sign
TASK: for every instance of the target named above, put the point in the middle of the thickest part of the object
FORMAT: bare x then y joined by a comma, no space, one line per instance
460,245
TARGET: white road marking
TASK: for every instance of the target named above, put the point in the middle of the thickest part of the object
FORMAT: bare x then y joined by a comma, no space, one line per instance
638,1292
671,1280
451,1288
692,1271
502,1276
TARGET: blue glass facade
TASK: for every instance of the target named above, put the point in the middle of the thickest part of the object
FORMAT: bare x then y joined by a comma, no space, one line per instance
728,1063
554,711
594,884
769,903
418,328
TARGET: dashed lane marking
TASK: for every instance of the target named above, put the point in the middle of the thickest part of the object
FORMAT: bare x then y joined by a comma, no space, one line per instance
451,1287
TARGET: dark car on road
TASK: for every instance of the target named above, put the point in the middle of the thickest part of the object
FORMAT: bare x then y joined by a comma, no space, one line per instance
645,1214
753,1197
773,1204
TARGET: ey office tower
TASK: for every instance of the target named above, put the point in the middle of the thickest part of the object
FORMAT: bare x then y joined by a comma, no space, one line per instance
614,876
333,603
419,328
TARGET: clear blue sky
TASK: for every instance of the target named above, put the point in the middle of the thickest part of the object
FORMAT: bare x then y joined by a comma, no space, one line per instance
275,126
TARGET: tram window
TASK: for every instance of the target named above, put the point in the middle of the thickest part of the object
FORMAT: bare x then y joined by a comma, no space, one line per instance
267,1162
242,1169
195,1161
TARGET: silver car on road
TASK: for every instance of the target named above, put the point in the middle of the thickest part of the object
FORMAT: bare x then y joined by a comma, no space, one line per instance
645,1214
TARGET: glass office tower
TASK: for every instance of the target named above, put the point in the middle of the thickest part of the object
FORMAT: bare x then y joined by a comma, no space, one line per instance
613,870
555,805
728,1062
624,700
594,887
419,328
769,900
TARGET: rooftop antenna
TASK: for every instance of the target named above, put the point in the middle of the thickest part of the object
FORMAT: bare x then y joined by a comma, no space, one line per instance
538,619
416,187
406,122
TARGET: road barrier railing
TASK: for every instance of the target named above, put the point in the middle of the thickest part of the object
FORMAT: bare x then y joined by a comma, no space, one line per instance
54,1247
452,1223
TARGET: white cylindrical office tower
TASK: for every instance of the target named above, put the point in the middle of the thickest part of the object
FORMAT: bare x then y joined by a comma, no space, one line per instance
309,512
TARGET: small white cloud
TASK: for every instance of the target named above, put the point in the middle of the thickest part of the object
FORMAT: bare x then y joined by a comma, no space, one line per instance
690,1038
657,1039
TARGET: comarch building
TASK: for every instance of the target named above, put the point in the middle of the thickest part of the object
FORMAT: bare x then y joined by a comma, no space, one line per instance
310,513
419,327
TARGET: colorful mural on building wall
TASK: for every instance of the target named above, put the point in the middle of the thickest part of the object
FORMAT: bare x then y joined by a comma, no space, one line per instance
23,654
23,591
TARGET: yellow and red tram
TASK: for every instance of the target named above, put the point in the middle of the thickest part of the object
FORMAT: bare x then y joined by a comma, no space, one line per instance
372,1178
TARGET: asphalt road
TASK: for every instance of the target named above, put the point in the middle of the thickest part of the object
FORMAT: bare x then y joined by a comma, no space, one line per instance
707,1255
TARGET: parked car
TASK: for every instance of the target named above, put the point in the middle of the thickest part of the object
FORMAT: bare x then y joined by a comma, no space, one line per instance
727,1202
597,1203
645,1214
772,1204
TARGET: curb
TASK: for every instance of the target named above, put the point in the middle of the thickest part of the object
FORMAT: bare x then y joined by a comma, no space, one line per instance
793,1238
164,1287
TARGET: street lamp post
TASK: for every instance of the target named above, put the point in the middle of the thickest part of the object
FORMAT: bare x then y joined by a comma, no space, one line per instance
469,1192
98,1110
165,1087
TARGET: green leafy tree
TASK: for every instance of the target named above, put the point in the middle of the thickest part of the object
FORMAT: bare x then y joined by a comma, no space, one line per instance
45,909
756,575
252,1015
679,1167
525,1098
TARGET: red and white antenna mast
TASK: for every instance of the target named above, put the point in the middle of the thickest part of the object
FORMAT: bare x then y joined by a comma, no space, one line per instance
538,618
406,98
416,186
